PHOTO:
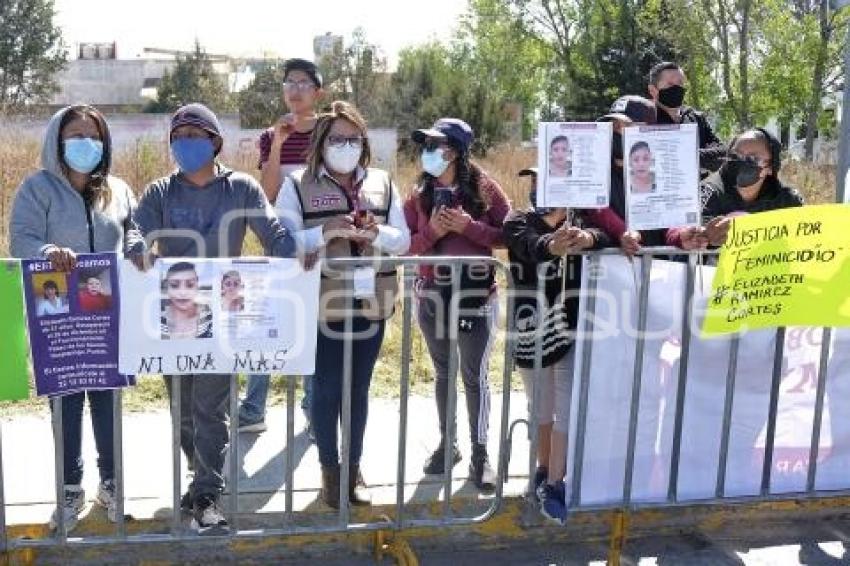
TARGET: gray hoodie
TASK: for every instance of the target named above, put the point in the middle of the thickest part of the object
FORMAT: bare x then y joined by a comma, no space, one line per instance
210,221
49,212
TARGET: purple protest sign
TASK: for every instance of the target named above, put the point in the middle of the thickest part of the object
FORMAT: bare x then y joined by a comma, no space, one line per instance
73,323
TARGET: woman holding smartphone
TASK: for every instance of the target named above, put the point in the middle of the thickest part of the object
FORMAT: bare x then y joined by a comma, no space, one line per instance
340,207
457,209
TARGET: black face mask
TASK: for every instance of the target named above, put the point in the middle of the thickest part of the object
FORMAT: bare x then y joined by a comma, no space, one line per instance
617,146
672,96
749,173
741,172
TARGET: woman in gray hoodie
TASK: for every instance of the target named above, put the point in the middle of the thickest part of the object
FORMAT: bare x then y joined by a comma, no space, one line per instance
73,205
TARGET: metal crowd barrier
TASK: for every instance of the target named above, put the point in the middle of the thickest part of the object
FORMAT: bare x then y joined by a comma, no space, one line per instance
626,503
230,501
179,532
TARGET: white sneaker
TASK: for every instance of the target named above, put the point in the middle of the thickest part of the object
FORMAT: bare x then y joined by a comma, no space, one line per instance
106,498
256,426
75,501
207,518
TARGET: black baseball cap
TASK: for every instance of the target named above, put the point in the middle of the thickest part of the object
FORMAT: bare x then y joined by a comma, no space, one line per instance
632,108
453,129
310,68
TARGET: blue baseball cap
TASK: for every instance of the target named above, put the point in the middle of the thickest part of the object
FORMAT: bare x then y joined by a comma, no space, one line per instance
453,129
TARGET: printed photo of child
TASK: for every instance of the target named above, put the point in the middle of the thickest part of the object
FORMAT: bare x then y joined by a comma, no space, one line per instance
94,292
184,314
51,301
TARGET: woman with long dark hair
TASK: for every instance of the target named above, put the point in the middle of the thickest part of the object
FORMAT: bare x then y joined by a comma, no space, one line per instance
457,209
73,205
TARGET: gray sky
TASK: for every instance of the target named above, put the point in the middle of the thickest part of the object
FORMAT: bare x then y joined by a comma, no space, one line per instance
253,27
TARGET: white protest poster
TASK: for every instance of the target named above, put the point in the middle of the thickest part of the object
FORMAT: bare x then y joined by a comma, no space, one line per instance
661,176
574,164
610,379
219,316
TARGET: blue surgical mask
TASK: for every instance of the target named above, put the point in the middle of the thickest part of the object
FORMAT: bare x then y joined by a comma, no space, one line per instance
82,155
191,154
433,162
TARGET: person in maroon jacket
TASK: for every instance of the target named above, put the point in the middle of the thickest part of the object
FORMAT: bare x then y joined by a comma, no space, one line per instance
457,209
283,150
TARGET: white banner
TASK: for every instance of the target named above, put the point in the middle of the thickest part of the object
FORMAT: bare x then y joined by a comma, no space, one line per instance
219,316
610,388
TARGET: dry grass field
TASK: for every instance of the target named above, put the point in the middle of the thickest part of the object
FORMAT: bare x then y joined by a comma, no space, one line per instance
146,161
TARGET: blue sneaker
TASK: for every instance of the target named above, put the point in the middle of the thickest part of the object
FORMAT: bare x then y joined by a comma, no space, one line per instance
554,506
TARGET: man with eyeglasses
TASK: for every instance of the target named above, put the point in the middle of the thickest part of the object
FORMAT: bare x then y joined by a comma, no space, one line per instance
283,149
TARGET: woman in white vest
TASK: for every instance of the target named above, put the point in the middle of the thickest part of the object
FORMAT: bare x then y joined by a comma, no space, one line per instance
339,207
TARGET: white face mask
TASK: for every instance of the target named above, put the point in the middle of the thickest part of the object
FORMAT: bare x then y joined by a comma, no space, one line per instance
342,159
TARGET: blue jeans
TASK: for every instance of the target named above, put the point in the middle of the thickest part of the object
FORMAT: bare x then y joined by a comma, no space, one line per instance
100,403
253,406
327,389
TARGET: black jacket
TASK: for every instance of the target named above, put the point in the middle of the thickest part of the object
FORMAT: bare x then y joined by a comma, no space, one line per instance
719,197
711,149
527,237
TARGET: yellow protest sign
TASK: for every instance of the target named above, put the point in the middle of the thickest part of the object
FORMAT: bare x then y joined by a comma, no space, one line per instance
787,267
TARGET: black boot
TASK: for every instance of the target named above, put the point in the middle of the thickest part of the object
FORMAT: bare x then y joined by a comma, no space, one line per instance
330,486
436,463
480,472
358,493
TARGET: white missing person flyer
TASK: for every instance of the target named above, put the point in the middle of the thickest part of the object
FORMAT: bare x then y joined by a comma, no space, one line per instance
574,164
661,170
191,316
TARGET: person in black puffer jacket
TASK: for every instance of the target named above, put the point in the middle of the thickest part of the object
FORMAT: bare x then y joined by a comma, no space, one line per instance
543,243
667,89
747,183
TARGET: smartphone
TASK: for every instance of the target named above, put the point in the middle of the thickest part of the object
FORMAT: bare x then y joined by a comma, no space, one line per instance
442,197
361,217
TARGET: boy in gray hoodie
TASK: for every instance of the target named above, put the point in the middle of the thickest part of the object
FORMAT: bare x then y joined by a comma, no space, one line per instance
72,205
204,210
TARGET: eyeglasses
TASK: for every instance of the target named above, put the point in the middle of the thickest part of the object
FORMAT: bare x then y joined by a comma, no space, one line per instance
748,159
339,141
303,86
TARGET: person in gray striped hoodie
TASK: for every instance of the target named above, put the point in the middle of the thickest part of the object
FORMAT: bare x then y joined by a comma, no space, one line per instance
542,244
